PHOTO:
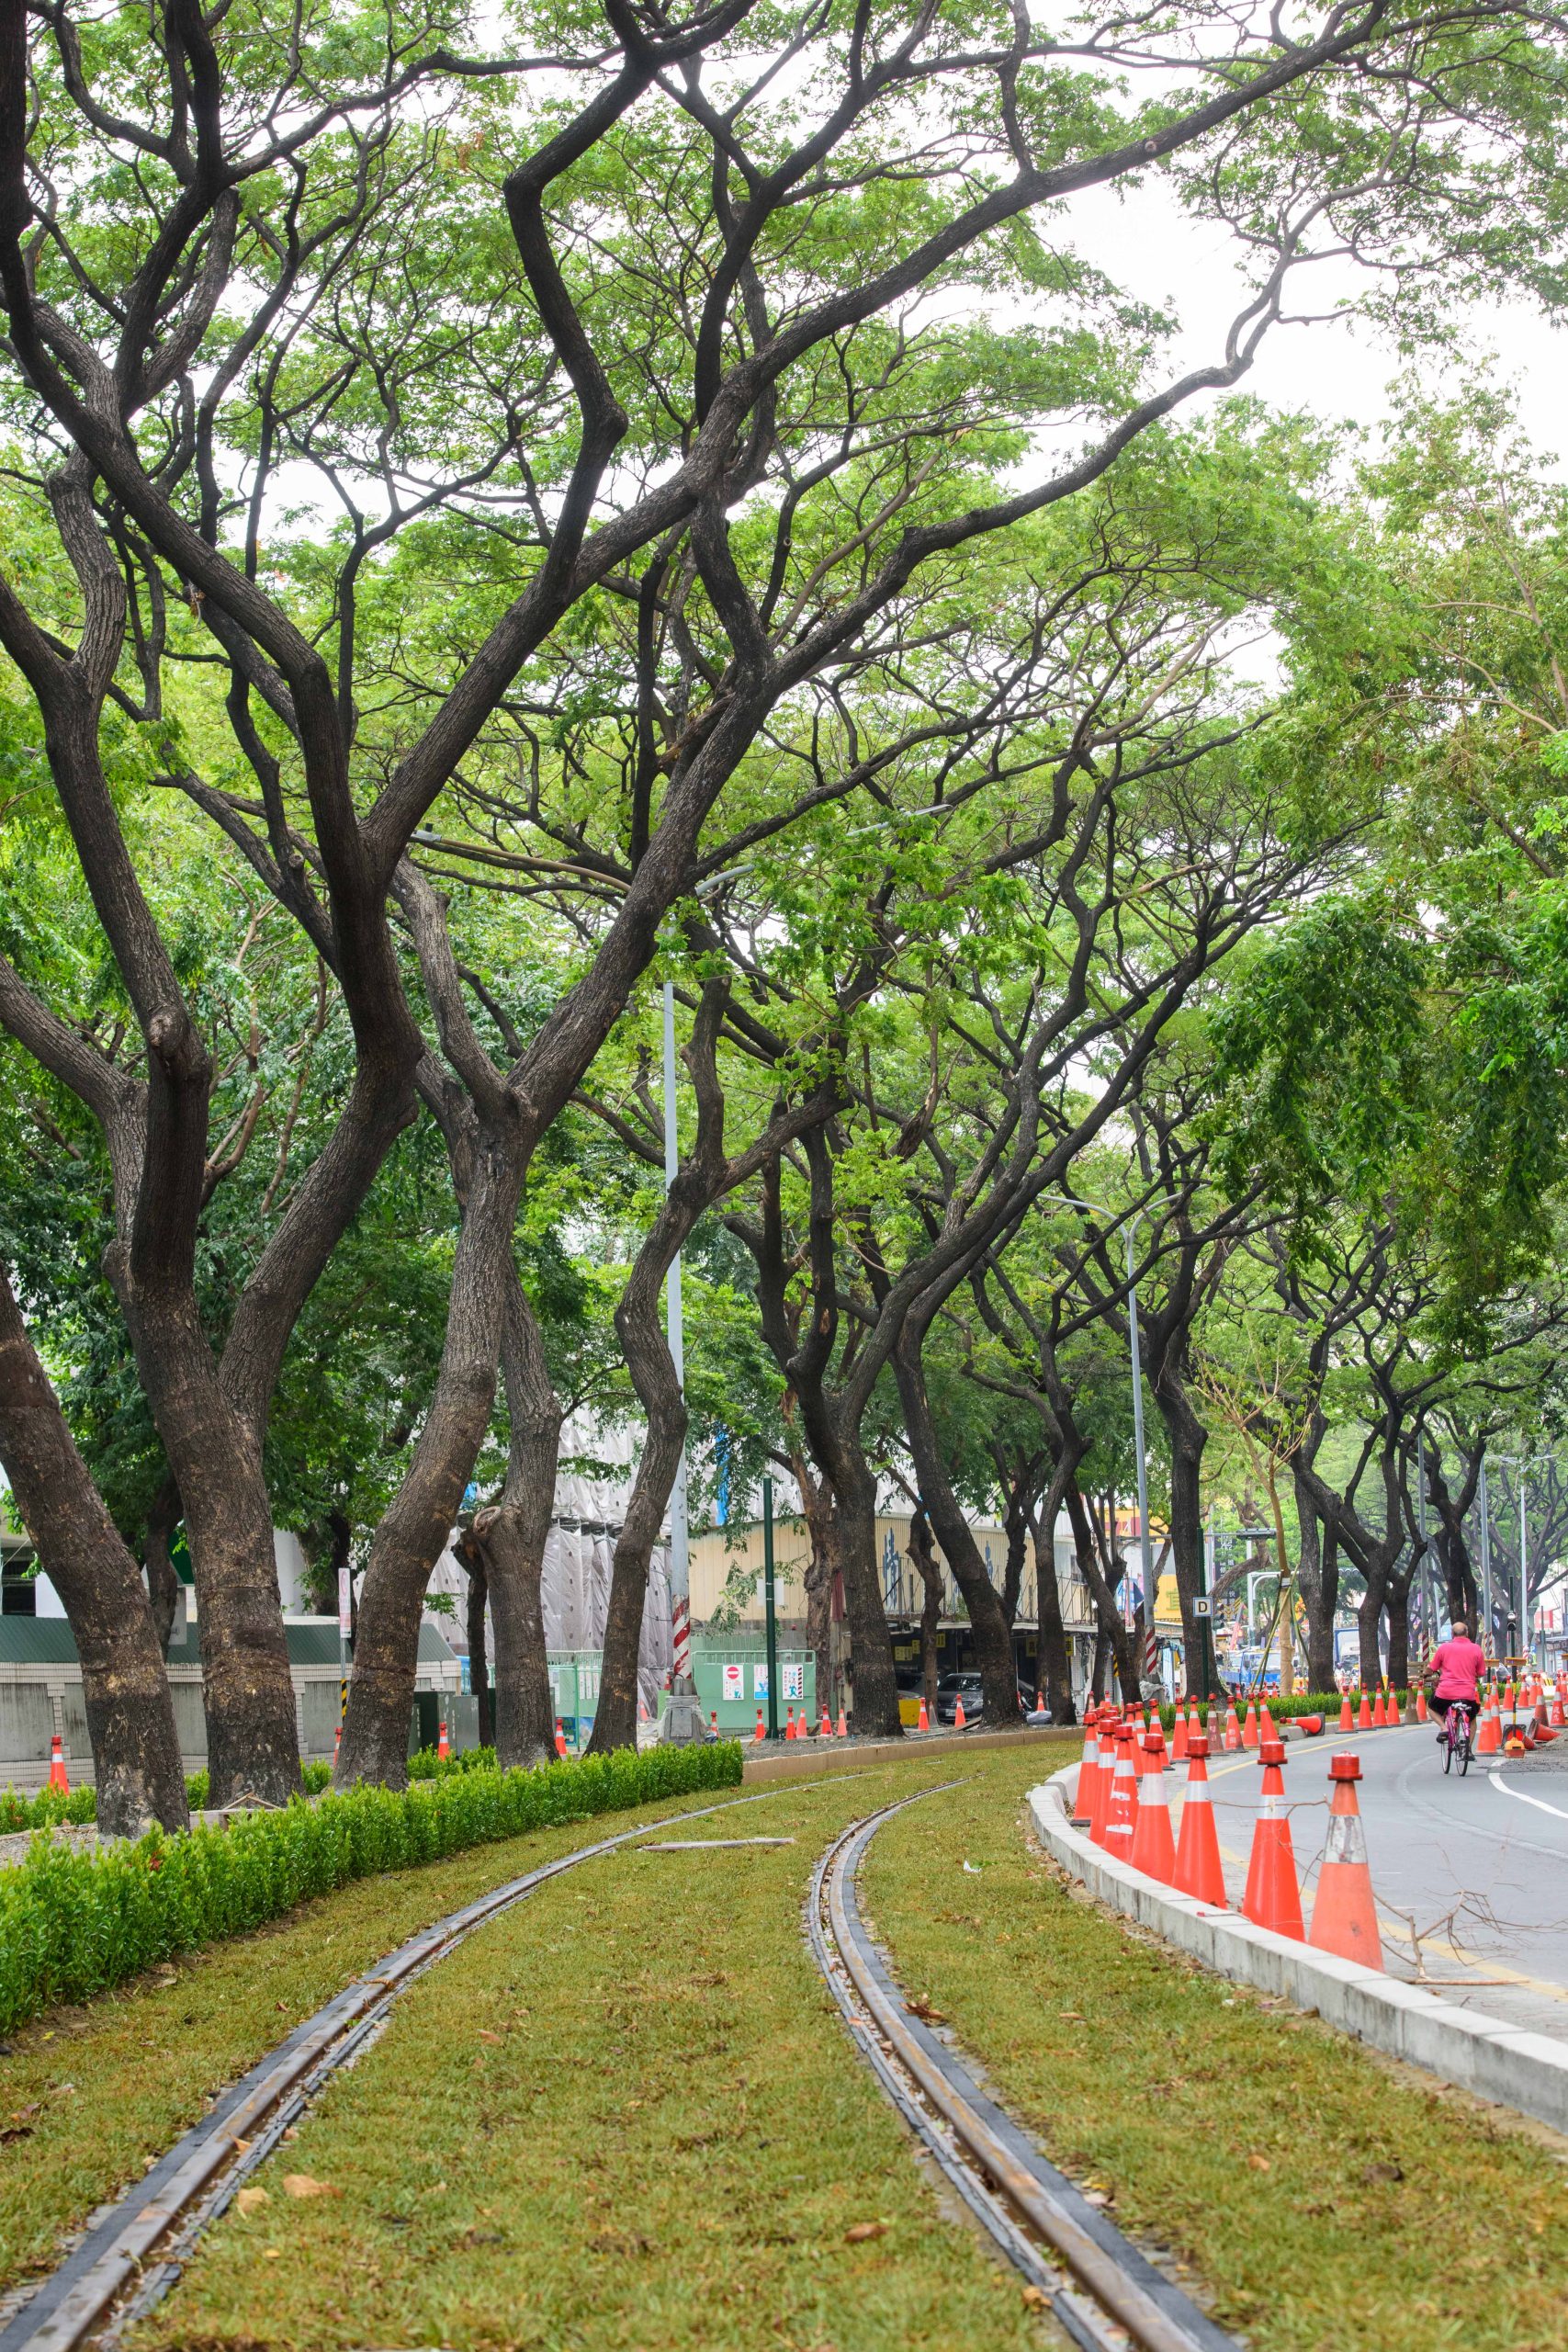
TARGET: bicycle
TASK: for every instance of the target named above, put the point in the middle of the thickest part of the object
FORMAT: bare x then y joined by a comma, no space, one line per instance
1457,1724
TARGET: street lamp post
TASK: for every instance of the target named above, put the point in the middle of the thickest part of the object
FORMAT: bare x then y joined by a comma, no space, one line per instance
1523,1464
1485,1550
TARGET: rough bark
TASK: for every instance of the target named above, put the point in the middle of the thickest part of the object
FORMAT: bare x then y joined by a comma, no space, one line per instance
417,1524
924,1553
130,1715
510,1538
472,1556
988,1624
163,1578
1054,1662
1317,1575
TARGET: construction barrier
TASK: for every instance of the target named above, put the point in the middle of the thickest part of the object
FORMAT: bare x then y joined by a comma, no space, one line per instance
1198,1869
1153,1848
1273,1897
1344,1917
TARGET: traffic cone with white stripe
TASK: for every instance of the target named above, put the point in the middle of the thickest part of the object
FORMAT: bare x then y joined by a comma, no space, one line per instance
1153,1848
1344,1917
58,1779
827,1730
844,1722
1380,1712
959,1720
789,1727
1198,1870
1179,1736
762,1735
442,1746
1364,1714
1249,1728
1347,1713
1422,1713
1233,1729
1273,1897
1266,1725
1490,1742
1088,1765
925,1720
560,1738
1122,1823
1105,1772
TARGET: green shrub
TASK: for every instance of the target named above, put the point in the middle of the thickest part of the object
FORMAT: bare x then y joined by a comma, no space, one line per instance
74,1921
426,1764
1301,1703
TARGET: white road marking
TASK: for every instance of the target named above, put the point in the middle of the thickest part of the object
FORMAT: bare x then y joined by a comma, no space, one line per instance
1539,1802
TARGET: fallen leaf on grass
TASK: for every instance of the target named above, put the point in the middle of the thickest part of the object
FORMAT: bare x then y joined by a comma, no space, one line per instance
920,2007
249,2199
15,2132
486,2036
1389,2171
1035,2299
300,2184
270,2254
1071,2017
859,2232
1256,2163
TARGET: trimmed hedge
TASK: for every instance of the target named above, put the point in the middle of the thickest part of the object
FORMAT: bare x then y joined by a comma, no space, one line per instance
74,1922
42,1811
1307,1703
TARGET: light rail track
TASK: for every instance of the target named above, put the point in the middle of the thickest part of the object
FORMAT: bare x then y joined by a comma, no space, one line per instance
1113,2294
130,2259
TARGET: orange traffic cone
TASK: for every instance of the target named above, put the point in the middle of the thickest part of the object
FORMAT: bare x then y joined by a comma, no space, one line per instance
1347,1715
1422,1714
1039,1702
1555,1711
1233,1729
1490,1742
1380,1712
560,1738
1198,1870
1273,1897
924,1724
1249,1728
959,1720
713,1720
1194,1721
1266,1724
762,1735
1216,1732
1088,1765
337,1746
1100,1819
1344,1917
1120,1827
442,1746
1364,1714
1179,1736
844,1724
789,1725
1153,1849
57,1774
827,1730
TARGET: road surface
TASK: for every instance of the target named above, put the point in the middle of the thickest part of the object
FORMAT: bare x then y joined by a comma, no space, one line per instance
1470,1876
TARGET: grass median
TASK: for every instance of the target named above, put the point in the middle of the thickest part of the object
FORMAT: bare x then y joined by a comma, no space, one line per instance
1322,2196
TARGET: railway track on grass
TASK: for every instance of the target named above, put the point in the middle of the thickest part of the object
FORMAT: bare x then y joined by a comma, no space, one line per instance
129,2258
1101,2289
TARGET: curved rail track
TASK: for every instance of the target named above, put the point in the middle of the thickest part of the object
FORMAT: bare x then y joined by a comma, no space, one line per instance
129,2258
1041,2221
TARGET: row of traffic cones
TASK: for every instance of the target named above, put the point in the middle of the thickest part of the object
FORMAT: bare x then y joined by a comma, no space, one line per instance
1127,1813
801,1728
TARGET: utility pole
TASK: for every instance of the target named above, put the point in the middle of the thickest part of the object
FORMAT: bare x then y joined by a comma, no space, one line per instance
770,1609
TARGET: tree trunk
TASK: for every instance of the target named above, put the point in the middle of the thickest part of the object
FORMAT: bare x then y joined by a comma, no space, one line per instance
1369,1619
1056,1664
993,1635
479,1668
512,1536
163,1578
125,1690
1398,1606
416,1525
1317,1573
875,1680
924,1557
1113,1645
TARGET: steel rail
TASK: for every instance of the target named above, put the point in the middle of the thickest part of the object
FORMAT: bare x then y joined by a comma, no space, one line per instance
136,2250
1019,2197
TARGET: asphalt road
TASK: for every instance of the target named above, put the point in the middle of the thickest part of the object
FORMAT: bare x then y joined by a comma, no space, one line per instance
1471,1877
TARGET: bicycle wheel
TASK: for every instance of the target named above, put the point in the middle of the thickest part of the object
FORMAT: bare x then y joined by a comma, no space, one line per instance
1464,1753
1447,1753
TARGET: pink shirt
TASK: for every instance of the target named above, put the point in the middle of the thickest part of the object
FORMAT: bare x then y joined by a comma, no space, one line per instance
1459,1665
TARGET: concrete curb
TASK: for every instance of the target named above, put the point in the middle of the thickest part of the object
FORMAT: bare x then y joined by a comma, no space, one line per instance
1483,2055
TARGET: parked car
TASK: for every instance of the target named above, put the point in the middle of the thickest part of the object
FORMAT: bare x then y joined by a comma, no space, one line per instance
969,1687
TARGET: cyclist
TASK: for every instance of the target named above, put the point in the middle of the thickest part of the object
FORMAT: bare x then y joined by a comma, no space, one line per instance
1457,1664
